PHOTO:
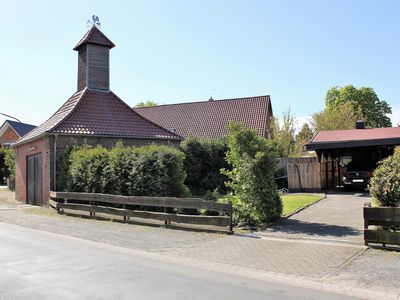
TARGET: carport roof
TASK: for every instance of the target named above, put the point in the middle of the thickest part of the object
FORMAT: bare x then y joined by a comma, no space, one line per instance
355,138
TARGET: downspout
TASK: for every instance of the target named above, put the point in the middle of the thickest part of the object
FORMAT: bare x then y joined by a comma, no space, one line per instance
55,163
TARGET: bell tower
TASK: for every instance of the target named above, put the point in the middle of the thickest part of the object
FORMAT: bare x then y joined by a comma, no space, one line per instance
94,60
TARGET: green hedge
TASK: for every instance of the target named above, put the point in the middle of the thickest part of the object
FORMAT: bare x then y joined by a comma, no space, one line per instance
145,171
385,184
203,162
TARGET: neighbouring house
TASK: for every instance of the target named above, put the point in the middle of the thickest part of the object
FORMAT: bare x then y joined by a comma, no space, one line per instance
11,131
210,119
363,146
93,115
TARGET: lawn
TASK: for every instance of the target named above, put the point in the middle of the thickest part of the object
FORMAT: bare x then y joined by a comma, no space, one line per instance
293,202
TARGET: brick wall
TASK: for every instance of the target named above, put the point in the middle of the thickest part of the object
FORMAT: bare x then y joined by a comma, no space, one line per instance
22,152
9,136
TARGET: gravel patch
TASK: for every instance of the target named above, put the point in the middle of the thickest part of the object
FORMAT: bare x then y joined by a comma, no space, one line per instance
147,238
7,198
374,269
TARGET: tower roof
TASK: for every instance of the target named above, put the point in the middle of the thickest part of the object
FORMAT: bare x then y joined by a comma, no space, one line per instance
96,37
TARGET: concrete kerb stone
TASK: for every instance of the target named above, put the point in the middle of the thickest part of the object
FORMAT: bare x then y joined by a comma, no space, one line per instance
256,274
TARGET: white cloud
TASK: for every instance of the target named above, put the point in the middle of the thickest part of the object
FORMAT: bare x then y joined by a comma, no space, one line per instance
300,121
395,116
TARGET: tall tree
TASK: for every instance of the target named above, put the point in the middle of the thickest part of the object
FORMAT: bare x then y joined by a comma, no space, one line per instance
364,99
146,104
283,134
343,118
303,137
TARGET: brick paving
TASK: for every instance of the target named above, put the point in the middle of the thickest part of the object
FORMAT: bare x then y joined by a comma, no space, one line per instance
338,217
299,258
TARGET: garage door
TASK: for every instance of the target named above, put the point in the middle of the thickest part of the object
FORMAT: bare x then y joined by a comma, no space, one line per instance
34,179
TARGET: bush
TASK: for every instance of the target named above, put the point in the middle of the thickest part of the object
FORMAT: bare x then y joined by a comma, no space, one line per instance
87,167
203,161
144,171
158,171
7,163
252,177
385,183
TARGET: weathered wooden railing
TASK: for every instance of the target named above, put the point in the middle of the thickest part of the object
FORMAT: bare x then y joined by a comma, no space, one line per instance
135,207
381,216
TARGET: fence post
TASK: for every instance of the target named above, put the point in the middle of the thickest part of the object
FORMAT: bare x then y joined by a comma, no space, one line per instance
231,217
165,211
366,206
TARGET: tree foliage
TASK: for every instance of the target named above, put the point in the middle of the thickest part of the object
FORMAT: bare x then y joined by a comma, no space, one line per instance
385,184
284,134
251,178
203,161
303,137
363,99
344,117
7,163
146,104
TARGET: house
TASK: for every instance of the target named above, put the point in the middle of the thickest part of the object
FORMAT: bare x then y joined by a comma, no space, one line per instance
93,115
11,131
210,119
337,148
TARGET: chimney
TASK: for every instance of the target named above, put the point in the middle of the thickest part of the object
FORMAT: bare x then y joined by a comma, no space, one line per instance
360,124
94,60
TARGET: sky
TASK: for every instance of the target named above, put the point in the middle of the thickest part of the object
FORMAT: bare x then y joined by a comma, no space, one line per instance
180,51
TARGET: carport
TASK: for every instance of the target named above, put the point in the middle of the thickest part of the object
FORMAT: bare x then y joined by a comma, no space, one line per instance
335,149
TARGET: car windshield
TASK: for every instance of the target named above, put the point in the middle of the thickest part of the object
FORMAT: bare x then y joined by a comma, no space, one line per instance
360,166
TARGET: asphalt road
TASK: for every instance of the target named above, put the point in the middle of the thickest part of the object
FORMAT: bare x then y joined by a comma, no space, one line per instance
41,265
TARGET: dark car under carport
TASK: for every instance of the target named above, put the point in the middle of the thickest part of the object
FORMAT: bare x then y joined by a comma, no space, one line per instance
337,150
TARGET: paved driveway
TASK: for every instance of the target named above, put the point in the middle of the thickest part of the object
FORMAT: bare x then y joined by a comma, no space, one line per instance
338,217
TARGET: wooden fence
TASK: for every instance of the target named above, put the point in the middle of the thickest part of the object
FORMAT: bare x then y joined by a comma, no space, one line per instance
304,177
138,207
381,216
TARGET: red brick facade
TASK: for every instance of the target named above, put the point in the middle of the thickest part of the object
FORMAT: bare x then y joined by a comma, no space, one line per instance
8,137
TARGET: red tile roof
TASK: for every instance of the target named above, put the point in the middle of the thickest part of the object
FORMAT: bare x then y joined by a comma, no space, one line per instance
98,113
94,36
209,119
356,135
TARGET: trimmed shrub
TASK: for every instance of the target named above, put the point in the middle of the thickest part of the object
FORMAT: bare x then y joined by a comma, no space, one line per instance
385,183
86,169
158,171
203,161
118,170
145,171
256,197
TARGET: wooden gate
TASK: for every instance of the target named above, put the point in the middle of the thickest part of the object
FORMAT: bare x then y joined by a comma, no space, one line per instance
34,179
304,177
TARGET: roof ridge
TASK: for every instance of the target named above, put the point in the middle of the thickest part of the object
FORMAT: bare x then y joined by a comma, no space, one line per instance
206,101
139,115
8,120
89,38
83,92
42,129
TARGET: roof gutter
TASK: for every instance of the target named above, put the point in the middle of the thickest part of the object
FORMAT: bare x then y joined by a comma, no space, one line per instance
351,144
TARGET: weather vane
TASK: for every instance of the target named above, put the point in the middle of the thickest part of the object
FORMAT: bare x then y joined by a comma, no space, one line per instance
94,22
